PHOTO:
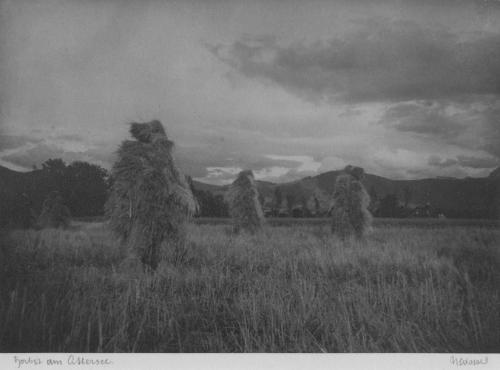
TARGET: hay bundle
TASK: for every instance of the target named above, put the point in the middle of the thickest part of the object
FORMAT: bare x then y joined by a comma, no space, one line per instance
150,202
54,213
350,215
244,206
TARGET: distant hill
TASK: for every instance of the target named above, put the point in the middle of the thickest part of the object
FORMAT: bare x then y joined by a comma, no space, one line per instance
495,174
469,197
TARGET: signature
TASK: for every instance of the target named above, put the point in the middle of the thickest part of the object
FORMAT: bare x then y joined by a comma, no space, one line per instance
69,360
468,361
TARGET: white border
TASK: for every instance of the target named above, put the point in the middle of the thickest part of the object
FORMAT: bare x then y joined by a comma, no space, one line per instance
253,361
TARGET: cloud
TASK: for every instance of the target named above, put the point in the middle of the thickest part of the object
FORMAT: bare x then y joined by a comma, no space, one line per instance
315,86
491,129
477,162
306,163
37,154
202,161
436,161
219,175
461,166
15,141
71,137
381,61
332,163
468,124
429,119
449,172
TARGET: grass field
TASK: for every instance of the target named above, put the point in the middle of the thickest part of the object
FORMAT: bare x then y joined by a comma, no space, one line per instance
291,289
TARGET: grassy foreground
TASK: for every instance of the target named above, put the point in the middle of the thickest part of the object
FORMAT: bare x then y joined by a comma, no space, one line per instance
290,289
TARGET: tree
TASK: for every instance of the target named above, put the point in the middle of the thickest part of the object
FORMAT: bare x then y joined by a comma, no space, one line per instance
21,213
317,207
87,188
389,206
53,177
278,196
55,166
305,209
407,195
374,201
261,200
290,202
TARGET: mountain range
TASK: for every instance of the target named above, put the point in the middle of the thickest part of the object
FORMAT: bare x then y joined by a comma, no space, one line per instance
467,197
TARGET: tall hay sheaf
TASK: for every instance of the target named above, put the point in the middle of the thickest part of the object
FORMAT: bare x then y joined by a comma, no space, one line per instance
54,213
150,202
244,206
350,215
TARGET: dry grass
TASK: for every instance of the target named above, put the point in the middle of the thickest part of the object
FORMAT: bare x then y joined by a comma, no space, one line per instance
286,290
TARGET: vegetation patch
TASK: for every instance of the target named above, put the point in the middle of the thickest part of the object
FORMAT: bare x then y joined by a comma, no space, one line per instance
287,289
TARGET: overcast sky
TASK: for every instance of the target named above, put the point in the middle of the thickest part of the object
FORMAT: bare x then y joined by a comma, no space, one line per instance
405,89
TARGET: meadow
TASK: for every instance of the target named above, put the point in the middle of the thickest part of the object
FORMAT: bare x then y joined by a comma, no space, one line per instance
292,288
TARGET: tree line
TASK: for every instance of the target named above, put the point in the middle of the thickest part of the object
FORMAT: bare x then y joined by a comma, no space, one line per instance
84,188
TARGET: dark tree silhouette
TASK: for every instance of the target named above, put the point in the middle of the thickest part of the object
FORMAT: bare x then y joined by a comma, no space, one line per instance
290,202
278,197
407,195
389,206
22,214
317,207
86,188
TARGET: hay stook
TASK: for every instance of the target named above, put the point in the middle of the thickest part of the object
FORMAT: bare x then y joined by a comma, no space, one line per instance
350,215
54,213
244,206
150,202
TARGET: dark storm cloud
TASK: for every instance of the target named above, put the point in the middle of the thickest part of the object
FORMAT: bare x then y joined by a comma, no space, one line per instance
382,61
491,123
428,119
476,162
85,68
464,161
457,123
453,172
194,161
15,141
72,137
436,161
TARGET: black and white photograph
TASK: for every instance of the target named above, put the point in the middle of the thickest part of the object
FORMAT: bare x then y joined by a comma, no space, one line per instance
249,176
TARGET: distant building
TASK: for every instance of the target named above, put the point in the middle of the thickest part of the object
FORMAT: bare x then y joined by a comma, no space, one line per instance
283,212
423,210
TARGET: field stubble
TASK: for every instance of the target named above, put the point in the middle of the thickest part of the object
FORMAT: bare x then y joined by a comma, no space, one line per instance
288,289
